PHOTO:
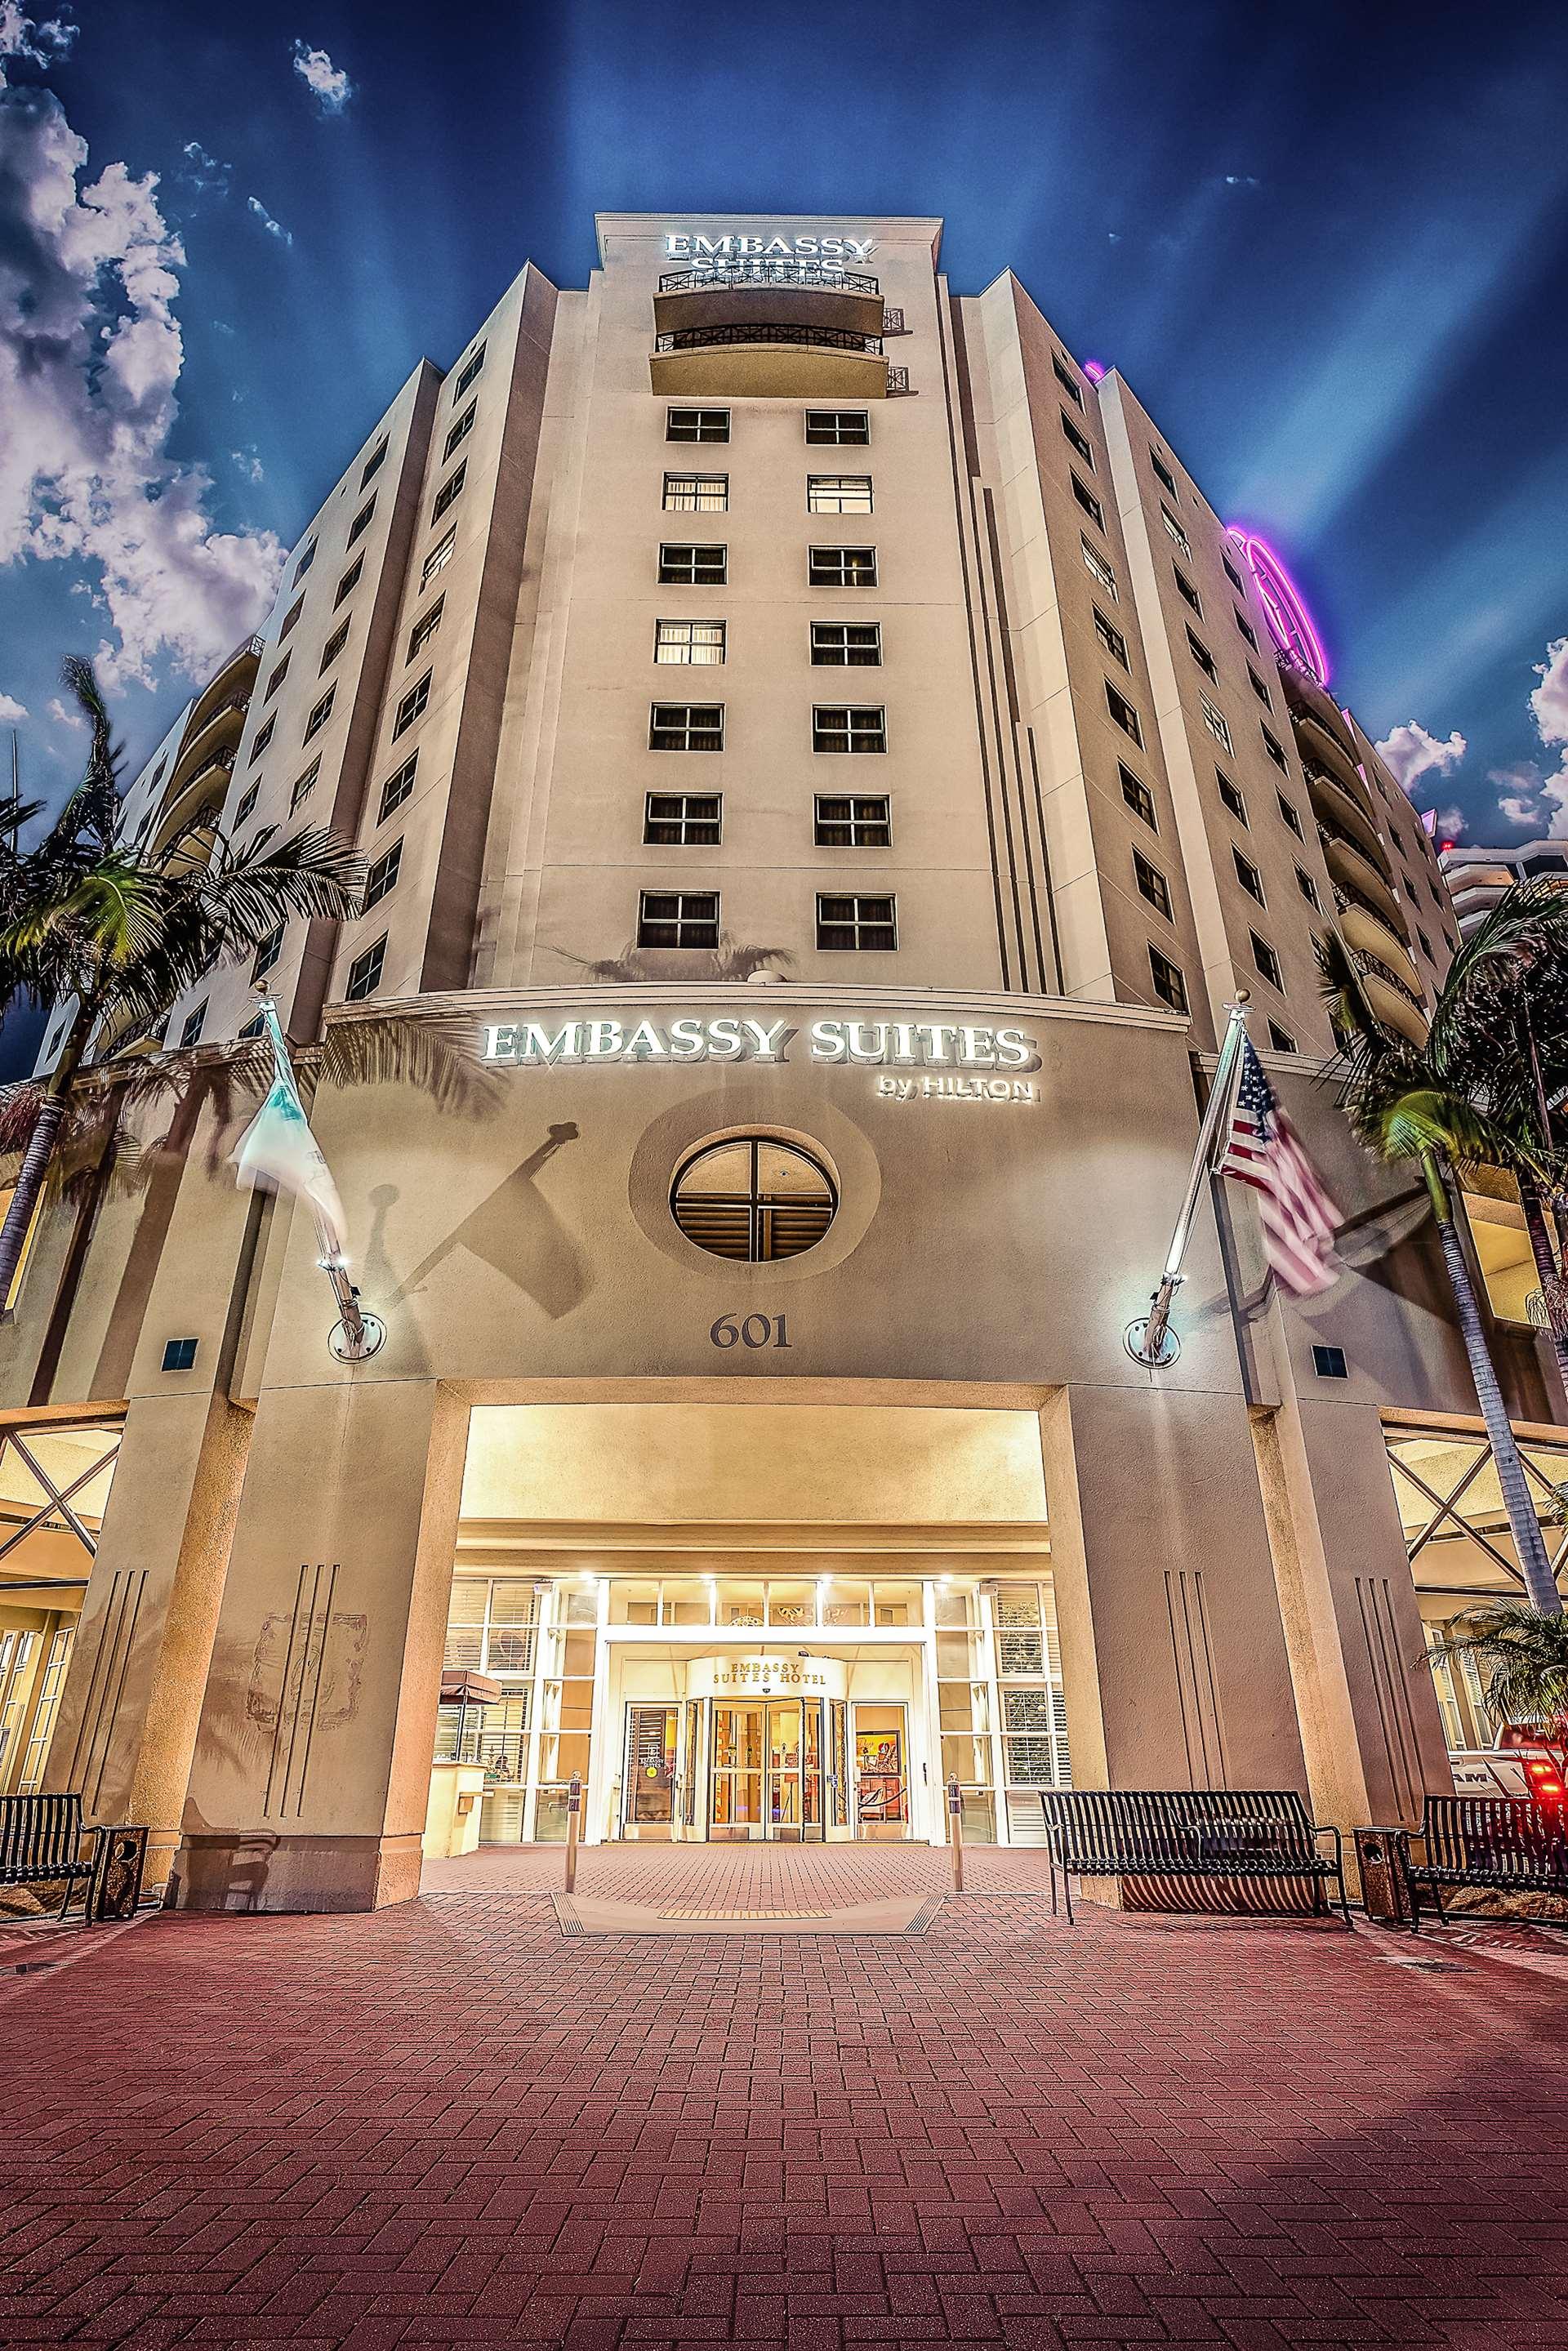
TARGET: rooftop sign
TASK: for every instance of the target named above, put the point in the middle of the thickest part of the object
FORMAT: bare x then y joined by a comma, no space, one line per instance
686,245
871,1044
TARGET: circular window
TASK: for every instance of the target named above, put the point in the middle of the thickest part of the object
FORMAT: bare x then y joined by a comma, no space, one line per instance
753,1199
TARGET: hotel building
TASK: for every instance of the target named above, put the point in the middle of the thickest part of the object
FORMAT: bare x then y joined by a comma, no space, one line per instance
823,770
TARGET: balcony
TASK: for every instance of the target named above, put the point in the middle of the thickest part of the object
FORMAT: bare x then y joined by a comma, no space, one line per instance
784,293
1396,1006
770,357
1362,926
1351,866
233,679
1325,747
1305,698
1336,806
208,736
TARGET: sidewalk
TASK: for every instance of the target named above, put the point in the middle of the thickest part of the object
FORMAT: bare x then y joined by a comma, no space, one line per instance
452,2125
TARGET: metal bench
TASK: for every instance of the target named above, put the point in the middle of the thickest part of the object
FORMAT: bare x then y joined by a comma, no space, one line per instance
41,1840
1176,1832
1509,1841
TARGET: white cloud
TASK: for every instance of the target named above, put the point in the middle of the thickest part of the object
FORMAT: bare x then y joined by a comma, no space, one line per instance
328,82
1525,814
274,228
40,44
1549,703
1241,180
11,710
204,171
249,464
1410,752
1451,822
90,354
63,714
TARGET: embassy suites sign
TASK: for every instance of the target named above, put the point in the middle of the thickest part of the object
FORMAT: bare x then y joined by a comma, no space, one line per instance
686,244
939,1046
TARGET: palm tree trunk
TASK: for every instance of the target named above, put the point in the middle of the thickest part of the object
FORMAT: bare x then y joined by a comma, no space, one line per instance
31,1181
1553,1289
1529,1548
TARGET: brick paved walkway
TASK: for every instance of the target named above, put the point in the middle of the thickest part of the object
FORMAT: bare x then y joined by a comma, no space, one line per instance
447,2126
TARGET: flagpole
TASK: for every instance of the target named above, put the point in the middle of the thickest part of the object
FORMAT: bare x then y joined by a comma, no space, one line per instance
1150,1341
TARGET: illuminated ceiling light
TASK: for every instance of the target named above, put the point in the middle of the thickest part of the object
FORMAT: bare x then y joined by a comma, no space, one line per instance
1289,622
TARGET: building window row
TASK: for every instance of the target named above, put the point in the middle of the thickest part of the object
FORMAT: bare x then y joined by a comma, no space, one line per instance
839,819
825,427
848,922
825,494
708,567
699,727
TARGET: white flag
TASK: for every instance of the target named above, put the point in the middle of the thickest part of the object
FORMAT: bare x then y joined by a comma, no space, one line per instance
278,1151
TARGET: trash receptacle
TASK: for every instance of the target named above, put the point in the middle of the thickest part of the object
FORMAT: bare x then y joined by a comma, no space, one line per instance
1384,1889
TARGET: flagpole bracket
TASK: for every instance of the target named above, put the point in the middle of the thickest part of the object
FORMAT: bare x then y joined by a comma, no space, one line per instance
350,1347
1155,1349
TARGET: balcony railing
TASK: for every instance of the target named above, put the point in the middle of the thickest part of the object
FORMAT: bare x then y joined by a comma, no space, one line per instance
1328,830
816,338
1374,968
221,759
1346,897
769,273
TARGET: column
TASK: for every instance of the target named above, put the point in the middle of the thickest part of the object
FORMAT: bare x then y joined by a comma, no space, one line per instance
312,1762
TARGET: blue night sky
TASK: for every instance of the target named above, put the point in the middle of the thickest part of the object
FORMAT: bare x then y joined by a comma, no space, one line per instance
1329,250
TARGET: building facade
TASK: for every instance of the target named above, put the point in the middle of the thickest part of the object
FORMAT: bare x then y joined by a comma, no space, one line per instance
1477,878
823,771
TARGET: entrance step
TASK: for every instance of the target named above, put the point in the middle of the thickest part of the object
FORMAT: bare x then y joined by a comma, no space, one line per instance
579,1915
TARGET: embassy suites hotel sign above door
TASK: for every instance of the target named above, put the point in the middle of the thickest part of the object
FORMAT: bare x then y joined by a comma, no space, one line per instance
919,1059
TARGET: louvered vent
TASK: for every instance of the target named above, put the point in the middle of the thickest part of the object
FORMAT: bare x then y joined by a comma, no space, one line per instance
753,1199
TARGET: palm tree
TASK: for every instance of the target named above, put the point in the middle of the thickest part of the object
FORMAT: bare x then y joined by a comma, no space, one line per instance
1523,1659
1419,1103
119,931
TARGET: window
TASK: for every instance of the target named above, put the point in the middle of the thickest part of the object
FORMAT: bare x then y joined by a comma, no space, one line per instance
840,729
412,704
753,1199
365,972
1123,712
1281,1040
1089,502
693,567
1260,689
1230,796
305,560
1099,569
289,618
696,425
451,489
319,716
1275,749
349,581
361,521
1216,723
461,429
696,493
1233,575
678,918
857,922
682,819
846,644
1425,944
1292,818
1169,984
246,802
1309,889
1329,1363
1186,590
1203,657
1138,797
267,954
847,427
686,726
1436,895
279,674
252,1029
305,786
471,368
1111,637
1246,874
191,1034
1267,962
699,643
373,463
334,645
852,820
382,876
438,559
1065,380
396,789
841,566
838,494
263,739
1153,885
423,631
1244,625
1079,440
1162,473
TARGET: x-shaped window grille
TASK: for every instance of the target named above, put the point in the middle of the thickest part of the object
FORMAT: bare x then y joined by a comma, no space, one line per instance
57,1503
1445,1510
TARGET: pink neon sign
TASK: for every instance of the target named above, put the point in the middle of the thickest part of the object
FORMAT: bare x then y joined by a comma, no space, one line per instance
1289,622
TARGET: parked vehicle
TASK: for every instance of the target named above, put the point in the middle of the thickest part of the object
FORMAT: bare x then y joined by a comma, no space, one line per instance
1516,1764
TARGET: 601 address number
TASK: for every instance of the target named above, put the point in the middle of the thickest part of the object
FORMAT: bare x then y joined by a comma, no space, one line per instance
755,1330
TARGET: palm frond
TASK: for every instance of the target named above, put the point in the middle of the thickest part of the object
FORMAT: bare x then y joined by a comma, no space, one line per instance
20,1104
1522,1657
433,1052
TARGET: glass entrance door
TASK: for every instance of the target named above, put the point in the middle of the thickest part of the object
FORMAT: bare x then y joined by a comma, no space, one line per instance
735,1774
882,1782
652,1733
766,1771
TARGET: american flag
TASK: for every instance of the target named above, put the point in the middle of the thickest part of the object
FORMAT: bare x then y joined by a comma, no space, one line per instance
1261,1148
